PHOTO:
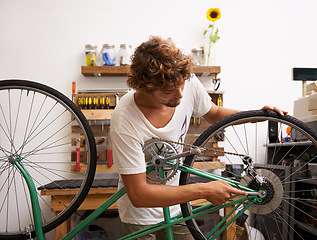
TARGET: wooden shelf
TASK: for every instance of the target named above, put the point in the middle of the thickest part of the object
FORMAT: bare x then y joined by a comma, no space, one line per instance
101,71
97,114
206,70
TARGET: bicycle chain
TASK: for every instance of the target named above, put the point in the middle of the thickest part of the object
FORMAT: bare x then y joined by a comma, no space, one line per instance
204,148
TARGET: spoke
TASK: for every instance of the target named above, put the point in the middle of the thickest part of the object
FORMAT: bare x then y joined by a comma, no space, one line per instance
17,202
53,171
50,146
235,150
239,139
291,226
26,194
17,118
302,201
280,218
37,116
300,180
29,140
301,168
297,191
266,230
6,132
299,210
27,122
41,122
246,139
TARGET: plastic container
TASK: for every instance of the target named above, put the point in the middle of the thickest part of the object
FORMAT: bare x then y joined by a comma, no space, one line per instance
91,55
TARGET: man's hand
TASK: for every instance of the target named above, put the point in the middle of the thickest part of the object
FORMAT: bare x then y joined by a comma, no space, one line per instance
220,192
276,109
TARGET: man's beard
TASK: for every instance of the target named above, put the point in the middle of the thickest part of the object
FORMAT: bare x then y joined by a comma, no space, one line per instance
171,103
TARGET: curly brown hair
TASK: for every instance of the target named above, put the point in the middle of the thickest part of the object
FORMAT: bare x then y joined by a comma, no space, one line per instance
158,64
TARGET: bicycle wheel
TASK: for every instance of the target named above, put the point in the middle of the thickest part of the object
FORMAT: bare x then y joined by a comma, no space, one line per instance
40,126
281,149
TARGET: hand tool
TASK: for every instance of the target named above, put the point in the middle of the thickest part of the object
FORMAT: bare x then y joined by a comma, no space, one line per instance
86,102
219,101
77,166
109,157
79,103
107,103
117,98
89,102
95,102
260,193
102,102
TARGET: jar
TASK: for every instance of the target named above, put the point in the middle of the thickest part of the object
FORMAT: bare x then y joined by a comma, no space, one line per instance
197,54
107,56
125,53
91,55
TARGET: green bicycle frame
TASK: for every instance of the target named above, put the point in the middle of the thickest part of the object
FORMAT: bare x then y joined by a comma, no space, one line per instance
168,220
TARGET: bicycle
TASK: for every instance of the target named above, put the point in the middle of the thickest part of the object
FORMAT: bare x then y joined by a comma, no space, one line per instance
39,128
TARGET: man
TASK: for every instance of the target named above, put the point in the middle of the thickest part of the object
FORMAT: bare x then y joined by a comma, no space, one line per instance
165,96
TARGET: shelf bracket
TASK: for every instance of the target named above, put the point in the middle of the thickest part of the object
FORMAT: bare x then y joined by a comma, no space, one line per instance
97,74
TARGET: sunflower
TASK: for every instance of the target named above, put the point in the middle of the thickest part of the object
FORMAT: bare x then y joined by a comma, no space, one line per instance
213,14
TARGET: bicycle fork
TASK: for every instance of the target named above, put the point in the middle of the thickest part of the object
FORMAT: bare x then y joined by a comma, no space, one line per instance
38,223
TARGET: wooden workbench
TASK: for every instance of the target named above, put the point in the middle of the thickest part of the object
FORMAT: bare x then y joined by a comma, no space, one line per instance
95,197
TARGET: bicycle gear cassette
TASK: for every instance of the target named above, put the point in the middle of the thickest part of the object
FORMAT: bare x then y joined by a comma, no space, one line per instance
273,188
160,170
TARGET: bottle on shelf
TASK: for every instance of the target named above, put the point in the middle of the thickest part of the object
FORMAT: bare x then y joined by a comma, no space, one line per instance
107,56
125,53
91,55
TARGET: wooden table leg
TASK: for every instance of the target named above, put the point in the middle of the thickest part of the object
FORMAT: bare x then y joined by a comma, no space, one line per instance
230,232
62,229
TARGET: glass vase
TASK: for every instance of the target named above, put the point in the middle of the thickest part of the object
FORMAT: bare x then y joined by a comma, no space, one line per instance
210,53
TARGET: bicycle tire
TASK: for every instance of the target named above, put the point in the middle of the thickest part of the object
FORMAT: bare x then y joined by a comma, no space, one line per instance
301,139
35,121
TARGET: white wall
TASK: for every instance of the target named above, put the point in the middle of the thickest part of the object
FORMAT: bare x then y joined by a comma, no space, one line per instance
261,41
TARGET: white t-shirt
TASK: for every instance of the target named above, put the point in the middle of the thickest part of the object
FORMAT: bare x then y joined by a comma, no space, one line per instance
130,129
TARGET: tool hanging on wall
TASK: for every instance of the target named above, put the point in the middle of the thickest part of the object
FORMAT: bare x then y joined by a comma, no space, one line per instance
107,103
90,102
219,101
77,166
86,102
102,102
216,82
117,98
95,102
109,157
80,103
73,90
